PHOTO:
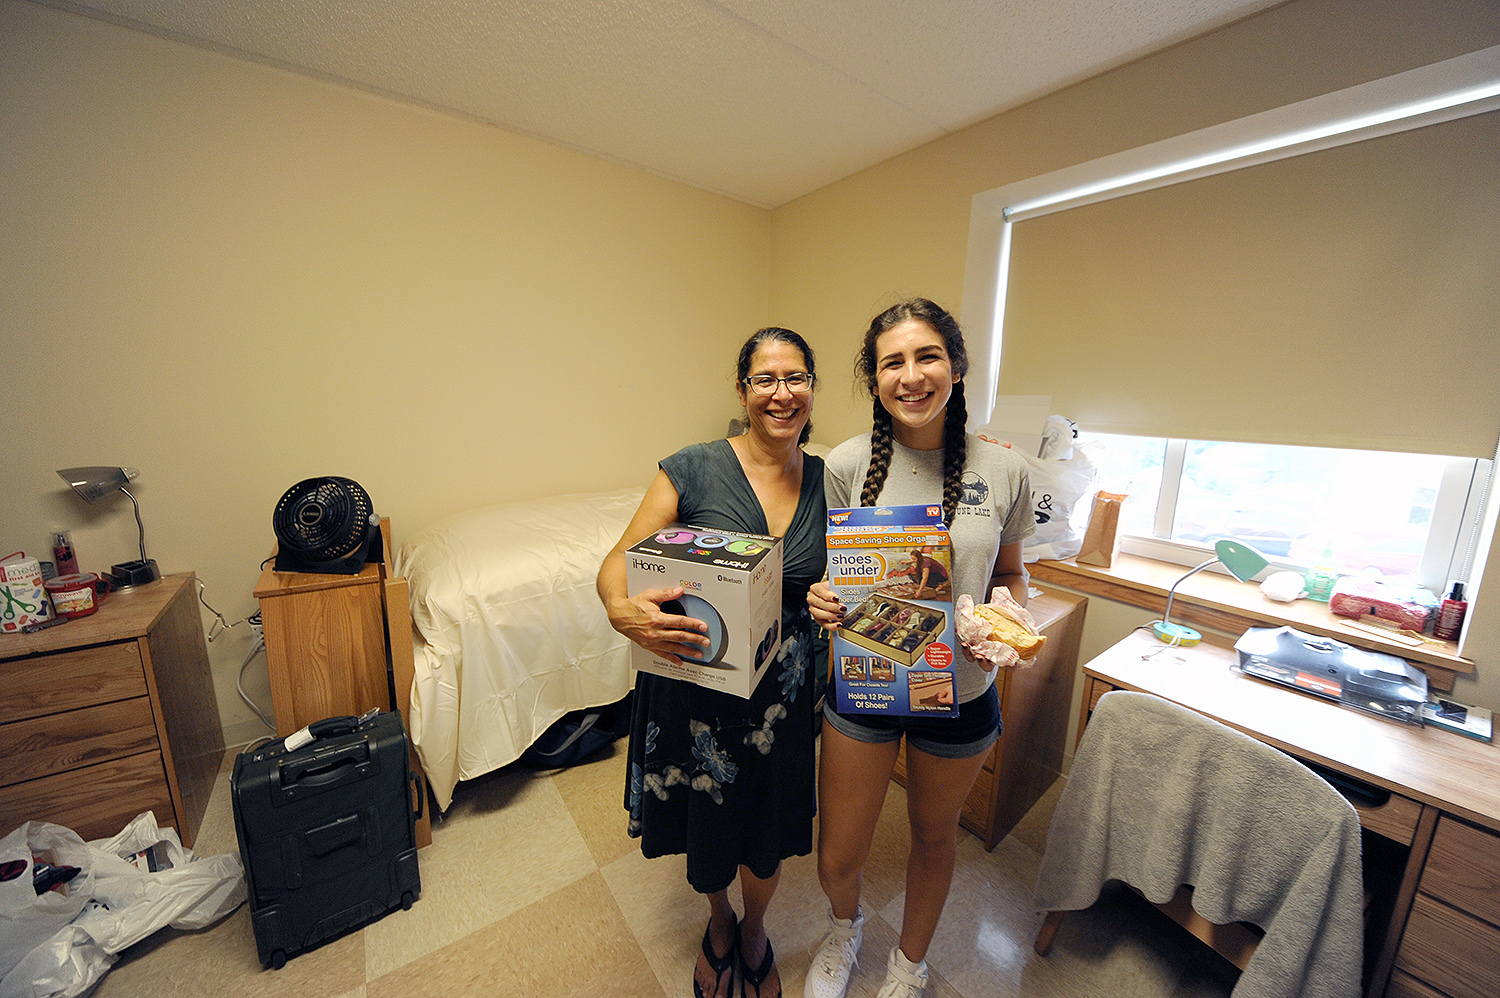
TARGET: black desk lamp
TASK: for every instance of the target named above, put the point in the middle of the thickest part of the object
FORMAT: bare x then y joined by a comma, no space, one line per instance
96,483
1242,560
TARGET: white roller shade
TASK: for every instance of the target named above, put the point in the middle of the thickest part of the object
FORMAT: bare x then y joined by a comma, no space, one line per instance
1348,297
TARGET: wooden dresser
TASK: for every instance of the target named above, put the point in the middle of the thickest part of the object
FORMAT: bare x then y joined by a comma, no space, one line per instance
1035,705
110,715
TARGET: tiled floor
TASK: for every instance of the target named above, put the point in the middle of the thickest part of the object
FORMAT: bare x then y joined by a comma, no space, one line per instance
532,888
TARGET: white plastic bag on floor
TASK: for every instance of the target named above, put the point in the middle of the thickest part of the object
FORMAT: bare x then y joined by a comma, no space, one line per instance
28,919
140,880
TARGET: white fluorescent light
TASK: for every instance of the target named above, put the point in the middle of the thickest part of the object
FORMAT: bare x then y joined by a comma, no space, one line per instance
1430,105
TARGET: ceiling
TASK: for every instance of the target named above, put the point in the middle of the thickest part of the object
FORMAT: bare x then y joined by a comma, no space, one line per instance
759,100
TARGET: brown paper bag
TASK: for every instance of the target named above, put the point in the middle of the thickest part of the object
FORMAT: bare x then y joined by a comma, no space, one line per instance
1102,541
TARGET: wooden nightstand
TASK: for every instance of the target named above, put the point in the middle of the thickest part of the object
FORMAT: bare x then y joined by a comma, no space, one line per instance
340,644
110,715
1034,706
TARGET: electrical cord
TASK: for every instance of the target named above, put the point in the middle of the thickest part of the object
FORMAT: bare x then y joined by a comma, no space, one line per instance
222,626
251,745
239,680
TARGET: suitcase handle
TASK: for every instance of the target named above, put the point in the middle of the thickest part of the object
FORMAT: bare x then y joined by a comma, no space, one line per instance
324,768
331,726
345,831
416,784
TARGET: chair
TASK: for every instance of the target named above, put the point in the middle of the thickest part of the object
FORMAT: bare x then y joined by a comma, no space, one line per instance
1214,828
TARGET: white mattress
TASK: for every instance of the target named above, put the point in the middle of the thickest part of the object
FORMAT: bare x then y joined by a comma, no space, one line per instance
510,634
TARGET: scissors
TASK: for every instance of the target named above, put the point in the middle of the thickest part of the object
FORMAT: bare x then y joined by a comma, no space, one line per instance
11,602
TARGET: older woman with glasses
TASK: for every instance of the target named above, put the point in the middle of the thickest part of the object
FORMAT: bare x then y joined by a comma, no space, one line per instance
725,780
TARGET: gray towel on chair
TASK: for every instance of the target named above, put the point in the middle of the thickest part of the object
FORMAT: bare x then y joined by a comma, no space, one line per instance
1160,796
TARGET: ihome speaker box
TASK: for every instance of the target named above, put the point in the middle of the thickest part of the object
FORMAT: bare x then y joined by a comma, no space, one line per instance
731,582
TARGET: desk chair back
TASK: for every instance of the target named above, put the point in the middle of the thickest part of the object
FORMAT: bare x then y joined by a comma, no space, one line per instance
1161,797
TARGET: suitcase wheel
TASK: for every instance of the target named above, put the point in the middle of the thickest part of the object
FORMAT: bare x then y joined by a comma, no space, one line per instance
407,900
278,959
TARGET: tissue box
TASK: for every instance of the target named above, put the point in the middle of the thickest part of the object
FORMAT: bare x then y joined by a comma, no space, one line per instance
1412,607
894,652
731,582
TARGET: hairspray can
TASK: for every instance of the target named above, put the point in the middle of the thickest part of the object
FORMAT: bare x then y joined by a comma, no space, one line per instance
63,555
1450,620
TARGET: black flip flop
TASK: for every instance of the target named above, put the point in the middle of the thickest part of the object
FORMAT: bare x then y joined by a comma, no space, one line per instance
720,965
755,978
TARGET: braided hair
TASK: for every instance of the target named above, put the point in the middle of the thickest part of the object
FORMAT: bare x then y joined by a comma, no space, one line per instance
775,334
956,415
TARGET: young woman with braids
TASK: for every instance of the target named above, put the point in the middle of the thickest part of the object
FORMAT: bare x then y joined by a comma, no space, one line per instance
913,363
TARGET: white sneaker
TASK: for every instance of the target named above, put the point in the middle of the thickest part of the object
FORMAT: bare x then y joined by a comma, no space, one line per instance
834,959
903,979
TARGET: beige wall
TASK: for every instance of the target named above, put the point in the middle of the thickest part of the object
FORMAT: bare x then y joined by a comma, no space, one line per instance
233,278
902,227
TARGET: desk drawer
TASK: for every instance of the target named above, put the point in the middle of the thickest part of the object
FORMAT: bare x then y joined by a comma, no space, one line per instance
95,801
1451,951
1396,819
42,746
1096,689
1463,869
1403,985
45,684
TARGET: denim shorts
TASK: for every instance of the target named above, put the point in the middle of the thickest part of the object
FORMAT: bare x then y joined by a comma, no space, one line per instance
972,732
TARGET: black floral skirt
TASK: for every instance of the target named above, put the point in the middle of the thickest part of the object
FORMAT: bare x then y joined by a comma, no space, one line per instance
728,781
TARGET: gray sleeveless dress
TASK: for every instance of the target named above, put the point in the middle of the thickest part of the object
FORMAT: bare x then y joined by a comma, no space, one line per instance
726,780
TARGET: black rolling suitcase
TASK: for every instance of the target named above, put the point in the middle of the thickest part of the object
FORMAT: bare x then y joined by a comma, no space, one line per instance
326,831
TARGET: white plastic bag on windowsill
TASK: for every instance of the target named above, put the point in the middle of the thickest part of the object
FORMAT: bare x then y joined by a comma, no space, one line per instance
126,903
1060,478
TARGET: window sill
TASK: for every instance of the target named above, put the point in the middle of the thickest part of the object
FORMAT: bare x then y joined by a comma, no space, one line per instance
1223,604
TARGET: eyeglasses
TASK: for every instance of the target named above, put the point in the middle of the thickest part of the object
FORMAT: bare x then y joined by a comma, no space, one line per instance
765,384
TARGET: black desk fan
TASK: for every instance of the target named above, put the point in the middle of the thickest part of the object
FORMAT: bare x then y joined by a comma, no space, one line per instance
326,525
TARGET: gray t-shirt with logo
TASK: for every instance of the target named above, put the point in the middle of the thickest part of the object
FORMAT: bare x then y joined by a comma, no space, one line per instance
994,509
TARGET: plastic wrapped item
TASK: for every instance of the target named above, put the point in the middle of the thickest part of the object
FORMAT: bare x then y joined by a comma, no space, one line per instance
1058,435
1374,682
1057,486
131,885
1412,607
1322,577
973,631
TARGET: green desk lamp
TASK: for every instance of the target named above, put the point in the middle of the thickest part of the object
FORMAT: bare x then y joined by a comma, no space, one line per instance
1242,560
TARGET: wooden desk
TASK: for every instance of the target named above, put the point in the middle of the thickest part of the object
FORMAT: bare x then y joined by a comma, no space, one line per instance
1443,811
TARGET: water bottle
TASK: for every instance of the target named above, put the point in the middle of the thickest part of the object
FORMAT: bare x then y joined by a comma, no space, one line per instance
1322,577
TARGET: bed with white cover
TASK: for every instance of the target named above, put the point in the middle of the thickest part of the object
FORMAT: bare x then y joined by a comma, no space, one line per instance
509,633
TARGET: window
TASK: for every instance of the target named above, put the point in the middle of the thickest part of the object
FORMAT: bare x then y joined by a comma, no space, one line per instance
1384,513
